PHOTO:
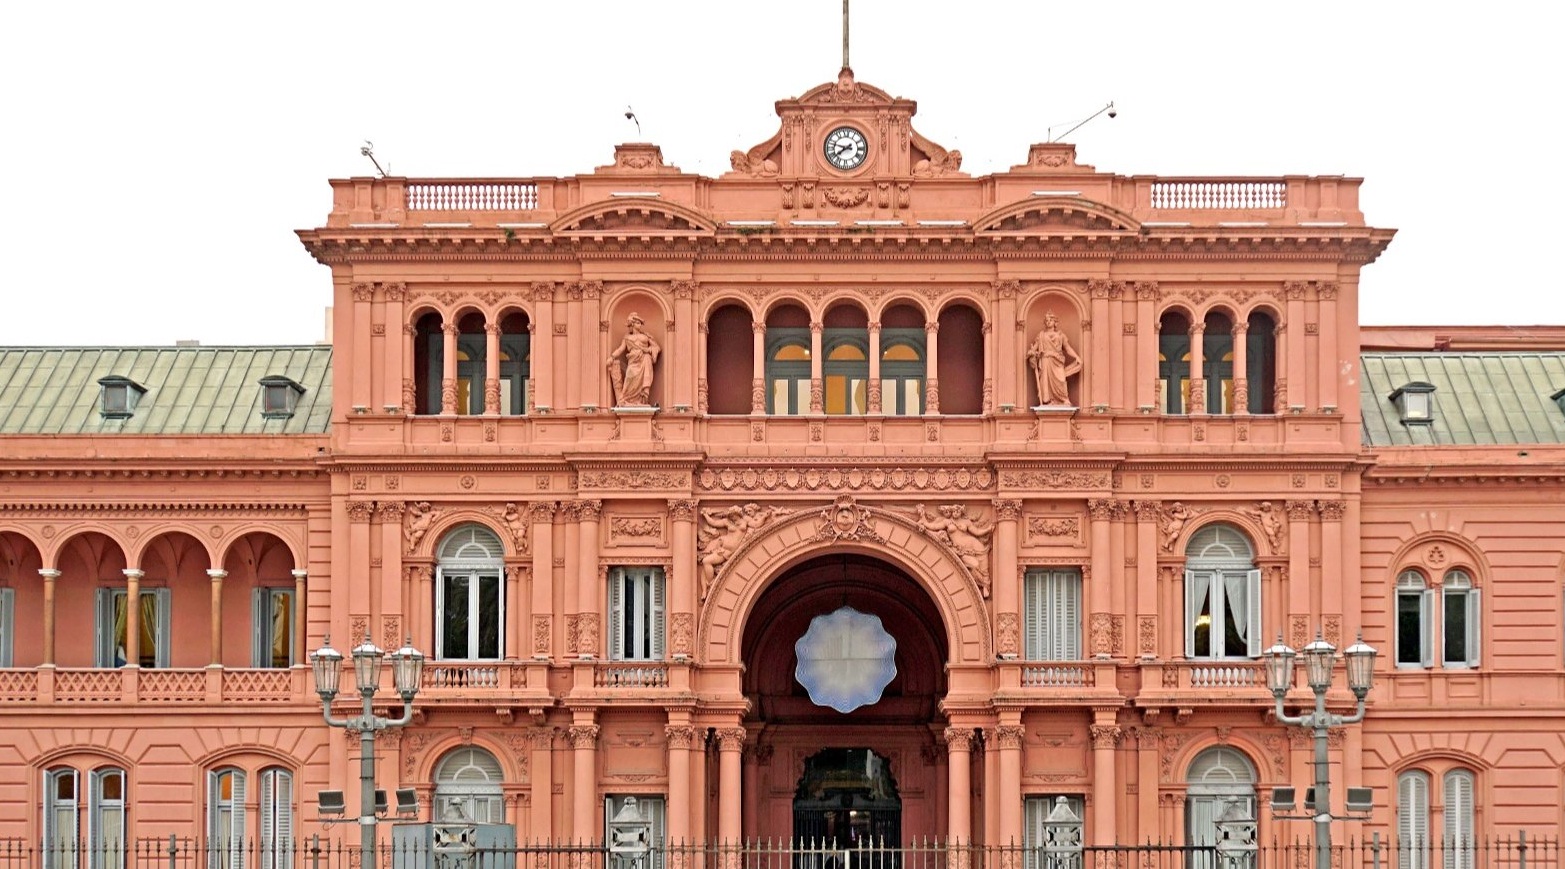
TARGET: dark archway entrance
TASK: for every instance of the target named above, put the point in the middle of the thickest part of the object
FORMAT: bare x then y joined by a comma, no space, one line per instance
847,799
877,771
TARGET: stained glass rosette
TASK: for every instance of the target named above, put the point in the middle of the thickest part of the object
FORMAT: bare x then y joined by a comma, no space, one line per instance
846,659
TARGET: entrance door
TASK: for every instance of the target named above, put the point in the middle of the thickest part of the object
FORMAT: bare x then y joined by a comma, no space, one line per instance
847,799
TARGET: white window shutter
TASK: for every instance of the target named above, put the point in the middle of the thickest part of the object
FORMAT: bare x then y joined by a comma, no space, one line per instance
616,615
1412,820
163,600
656,614
213,797
268,831
1457,791
1068,621
1474,620
1034,615
1426,620
282,825
1192,611
1253,602
237,830
7,625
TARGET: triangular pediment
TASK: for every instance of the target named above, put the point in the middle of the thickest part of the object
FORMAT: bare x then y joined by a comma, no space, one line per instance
650,217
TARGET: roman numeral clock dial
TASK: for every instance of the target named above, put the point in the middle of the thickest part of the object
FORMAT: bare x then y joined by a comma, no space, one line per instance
846,148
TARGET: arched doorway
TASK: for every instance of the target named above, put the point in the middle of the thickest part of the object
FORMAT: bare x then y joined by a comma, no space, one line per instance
874,770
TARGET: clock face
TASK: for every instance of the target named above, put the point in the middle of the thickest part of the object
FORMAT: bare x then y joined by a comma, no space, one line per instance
846,148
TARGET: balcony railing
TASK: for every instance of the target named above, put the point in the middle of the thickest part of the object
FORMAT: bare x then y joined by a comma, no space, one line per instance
1057,676
642,674
473,195
106,686
1219,195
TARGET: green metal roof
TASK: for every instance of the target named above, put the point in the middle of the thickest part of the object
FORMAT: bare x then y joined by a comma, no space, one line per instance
189,390
1480,398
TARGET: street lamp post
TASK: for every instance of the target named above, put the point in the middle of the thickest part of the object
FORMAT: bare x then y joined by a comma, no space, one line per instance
407,664
1319,657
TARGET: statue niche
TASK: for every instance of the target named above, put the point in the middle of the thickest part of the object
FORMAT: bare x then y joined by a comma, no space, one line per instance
1053,361
630,366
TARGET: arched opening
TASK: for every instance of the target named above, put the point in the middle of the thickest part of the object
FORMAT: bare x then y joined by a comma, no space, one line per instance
1260,344
845,361
515,362
90,564
258,604
847,798
175,609
961,360
787,360
903,361
471,363
1216,777
21,602
470,595
469,787
1222,595
730,360
1173,362
428,362
889,731
1217,342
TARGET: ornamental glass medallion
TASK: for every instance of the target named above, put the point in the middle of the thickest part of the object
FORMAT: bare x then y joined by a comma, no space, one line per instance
846,659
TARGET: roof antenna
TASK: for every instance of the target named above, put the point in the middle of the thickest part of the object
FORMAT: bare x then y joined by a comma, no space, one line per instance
1112,112
845,34
368,150
630,115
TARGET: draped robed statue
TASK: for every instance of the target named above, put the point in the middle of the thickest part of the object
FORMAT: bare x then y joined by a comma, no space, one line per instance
630,365
1053,362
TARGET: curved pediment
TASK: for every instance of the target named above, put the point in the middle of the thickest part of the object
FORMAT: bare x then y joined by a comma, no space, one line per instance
845,90
634,216
1051,215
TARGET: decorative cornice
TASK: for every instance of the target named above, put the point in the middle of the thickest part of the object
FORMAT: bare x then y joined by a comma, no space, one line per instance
139,509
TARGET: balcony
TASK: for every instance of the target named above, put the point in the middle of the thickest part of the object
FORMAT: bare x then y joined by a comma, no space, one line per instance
1188,684
209,686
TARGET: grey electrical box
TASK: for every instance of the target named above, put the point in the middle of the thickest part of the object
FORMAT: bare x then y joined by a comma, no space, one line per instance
453,846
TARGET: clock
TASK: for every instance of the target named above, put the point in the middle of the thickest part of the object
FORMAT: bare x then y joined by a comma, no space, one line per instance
846,148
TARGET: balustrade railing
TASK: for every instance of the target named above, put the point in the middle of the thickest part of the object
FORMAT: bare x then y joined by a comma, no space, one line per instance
472,196
1224,195
1057,676
637,675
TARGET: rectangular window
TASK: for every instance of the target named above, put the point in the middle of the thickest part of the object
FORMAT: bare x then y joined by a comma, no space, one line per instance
113,621
271,628
1414,631
1053,617
1460,608
636,614
1222,613
470,611
635,831
7,626
1037,842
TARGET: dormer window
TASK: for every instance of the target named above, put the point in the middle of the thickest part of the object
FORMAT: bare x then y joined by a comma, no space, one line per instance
1416,402
118,396
279,397
1559,399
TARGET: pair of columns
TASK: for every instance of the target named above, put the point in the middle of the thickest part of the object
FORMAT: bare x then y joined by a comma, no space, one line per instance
133,577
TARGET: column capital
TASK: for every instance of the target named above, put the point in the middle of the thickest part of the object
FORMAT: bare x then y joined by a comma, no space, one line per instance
49,572
1102,509
216,574
1009,736
1105,735
730,738
682,509
959,739
1007,509
133,573
679,736
591,509
583,735
299,573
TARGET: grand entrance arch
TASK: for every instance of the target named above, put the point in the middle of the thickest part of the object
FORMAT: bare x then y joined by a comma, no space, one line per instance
877,771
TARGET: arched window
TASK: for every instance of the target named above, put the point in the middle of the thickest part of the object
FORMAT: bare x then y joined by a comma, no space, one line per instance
1415,608
276,845
1412,844
515,364
1222,595
468,788
62,835
225,812
1173,363
1456,790
902,371
846,371
1460,620
787,370
470,595
1217,363
1217,776
1260,362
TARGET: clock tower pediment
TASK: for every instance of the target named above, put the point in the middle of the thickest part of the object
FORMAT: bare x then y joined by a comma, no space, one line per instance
846,128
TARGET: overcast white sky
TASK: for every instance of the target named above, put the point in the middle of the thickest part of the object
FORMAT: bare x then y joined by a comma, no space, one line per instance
159,156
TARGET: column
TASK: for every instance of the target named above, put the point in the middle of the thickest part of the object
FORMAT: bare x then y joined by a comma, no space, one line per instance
542,330
1197,369
541,771
684,317
1294,370
216,622
875,397
359,387
1331,343
679,737
1145,375
989,805
491,368
358,552
1146,580
1334,588
700,785
296,626
1007,642
593,376
816,384
132,616
395,589
932,366
1004,353
1100,354
49,575
1100,556
410,404
758,384
584,789
448,368
1009,737
396,363
1303,626
1241,334
730,799
589,635
682,595
542,515
959,809
575,375
517,609
1105,787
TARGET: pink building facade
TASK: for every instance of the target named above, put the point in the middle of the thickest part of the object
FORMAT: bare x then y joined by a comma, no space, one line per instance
608,448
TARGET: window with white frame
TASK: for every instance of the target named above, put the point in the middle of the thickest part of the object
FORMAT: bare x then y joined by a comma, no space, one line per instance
225,813
636,614
1459,614
1415,795
153,627
1217,776
470,595
468,788
650,810
271,628
276,840
1222,595
1035,838
7,626
1053,614
1412,844
1459,623
94,839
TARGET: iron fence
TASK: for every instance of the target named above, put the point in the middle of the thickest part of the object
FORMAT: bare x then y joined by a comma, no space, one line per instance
1520,851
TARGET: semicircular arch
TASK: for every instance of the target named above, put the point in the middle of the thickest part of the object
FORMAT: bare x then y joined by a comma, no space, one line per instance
845,526
634,217
1050,215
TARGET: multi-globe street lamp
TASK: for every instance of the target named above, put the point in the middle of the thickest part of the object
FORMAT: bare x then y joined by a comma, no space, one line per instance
1319,658
407,666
